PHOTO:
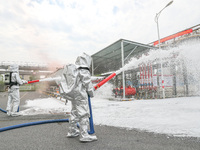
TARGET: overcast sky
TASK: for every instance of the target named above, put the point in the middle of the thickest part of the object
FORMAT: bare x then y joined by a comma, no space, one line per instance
57,31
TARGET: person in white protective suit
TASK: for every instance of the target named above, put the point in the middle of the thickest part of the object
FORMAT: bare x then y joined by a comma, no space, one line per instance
13,91
79,100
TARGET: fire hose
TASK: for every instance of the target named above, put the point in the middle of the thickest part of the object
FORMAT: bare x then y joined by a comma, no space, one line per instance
32,123
61,120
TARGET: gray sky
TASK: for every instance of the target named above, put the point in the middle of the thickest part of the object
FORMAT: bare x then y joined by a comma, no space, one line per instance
57,31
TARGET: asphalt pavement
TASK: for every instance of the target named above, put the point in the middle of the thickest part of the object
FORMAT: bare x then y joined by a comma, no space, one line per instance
52,136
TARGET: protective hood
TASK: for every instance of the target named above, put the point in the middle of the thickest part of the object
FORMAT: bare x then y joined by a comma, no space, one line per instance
14,68
84,60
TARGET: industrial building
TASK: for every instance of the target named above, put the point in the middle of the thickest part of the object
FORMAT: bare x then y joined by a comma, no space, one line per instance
146,77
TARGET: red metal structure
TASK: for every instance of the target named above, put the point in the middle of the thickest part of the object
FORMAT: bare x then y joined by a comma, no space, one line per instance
173,36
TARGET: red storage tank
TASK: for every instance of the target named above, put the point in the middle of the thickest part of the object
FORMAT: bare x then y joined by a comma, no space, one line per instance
130,91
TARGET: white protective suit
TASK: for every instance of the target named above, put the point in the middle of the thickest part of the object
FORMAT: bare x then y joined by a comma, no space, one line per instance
13,92
79,100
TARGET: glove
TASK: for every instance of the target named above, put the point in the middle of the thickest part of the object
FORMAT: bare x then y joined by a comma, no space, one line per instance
24,82
90,93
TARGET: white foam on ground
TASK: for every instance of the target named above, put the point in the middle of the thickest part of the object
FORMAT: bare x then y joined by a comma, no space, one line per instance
176,116
45,106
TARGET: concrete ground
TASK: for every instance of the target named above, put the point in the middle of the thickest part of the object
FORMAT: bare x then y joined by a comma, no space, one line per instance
53,135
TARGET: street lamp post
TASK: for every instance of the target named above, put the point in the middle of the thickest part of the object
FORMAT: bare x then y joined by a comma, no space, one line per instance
156,20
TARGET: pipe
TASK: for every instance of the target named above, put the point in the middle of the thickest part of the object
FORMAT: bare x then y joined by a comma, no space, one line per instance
6,111
151,77
107,79
91,118
3,110
123,74
50,121
148,76
46,79
142,77
29,82
104,81
32,123
145,77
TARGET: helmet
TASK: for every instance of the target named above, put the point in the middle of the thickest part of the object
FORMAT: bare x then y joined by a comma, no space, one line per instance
14,68
84,60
